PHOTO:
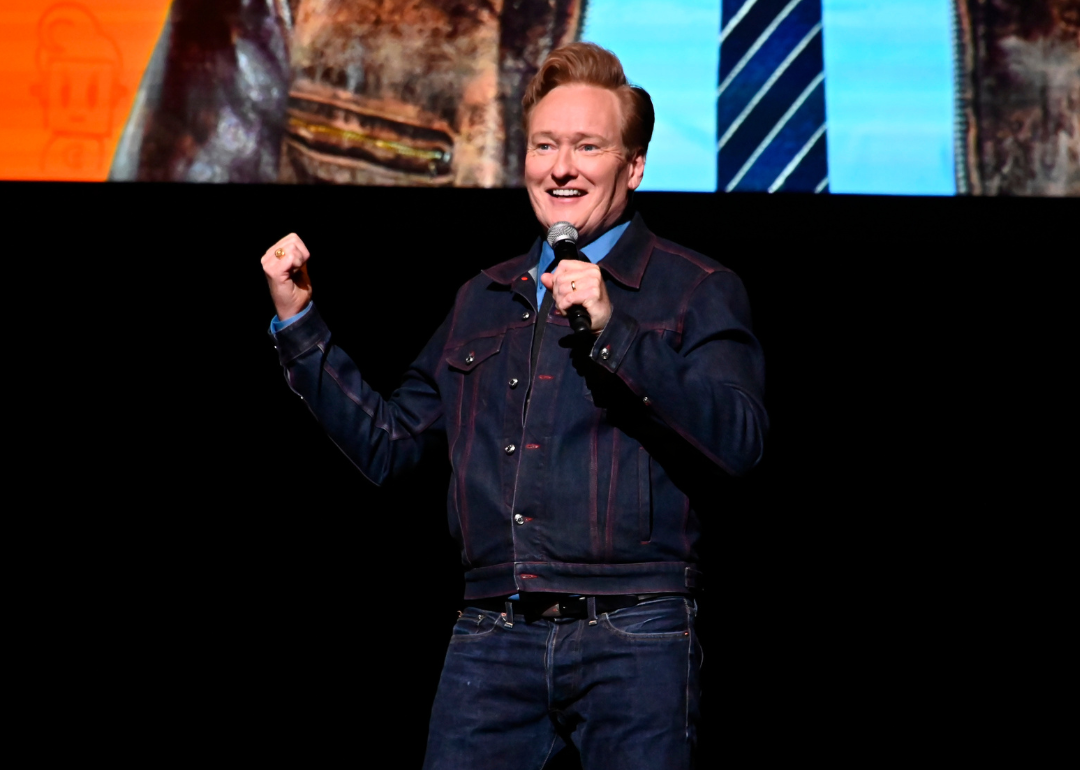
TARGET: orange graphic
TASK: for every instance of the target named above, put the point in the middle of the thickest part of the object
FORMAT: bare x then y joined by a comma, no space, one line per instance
67,83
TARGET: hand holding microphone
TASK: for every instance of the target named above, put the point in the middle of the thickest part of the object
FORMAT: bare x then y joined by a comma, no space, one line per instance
577,287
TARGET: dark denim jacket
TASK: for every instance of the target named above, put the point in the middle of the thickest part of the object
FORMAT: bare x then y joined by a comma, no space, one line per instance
597,487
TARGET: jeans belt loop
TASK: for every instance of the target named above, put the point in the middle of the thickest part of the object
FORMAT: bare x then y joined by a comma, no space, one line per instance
509,615
592,610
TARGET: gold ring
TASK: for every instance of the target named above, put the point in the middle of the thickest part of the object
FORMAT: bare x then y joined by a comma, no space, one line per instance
279,253
573,286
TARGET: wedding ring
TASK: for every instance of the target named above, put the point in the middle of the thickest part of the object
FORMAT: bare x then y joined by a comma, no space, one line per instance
573,286
279,253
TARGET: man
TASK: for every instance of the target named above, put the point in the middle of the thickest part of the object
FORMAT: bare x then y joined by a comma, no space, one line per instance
581,461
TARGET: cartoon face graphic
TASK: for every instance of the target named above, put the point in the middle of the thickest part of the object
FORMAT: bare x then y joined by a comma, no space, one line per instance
79,97
79,68
396,92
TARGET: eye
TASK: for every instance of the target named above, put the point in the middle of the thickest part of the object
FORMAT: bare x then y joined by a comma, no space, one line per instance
589,147
543,146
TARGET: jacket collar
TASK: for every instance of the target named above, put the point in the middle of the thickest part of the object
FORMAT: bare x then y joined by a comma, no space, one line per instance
625,262
513,269
629,256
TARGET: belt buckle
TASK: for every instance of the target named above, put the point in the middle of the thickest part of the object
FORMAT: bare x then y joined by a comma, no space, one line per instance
554,611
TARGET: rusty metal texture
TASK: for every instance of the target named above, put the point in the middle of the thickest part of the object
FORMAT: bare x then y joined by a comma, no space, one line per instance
374,92
1018,90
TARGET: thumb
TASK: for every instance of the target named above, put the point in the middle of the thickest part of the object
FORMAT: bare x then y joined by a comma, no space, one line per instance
548,280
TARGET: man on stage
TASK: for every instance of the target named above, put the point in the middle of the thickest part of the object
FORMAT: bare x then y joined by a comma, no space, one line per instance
581,460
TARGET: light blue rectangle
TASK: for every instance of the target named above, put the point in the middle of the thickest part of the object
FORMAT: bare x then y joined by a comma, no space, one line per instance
890,96
672,50
889,90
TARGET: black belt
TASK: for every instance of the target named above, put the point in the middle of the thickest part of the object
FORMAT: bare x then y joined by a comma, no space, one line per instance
560,605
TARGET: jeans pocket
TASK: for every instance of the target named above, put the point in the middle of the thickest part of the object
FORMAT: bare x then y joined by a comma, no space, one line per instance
664,618
474,624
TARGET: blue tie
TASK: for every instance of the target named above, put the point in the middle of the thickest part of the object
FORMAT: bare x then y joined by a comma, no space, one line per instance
771,98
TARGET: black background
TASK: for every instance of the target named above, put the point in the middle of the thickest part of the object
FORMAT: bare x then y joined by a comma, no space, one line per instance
209,577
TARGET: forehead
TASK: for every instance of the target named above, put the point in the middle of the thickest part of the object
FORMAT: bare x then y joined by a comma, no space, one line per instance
578,109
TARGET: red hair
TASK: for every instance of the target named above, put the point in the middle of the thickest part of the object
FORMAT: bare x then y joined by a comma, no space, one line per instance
589,64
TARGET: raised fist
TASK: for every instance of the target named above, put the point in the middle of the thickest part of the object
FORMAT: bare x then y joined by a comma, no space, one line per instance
285,265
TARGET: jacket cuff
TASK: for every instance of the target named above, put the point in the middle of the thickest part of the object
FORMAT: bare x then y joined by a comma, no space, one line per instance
300,337
611,346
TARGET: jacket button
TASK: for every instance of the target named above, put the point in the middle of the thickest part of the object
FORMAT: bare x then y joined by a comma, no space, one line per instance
646,401
519,519
526,316
510,449
513,383
470,358
605,352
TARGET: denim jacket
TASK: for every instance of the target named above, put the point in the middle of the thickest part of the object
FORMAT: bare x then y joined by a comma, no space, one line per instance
589,474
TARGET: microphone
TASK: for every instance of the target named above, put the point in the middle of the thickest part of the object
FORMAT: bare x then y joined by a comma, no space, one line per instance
562,237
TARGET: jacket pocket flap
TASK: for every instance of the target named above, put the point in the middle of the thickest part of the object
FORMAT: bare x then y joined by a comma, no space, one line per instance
472,354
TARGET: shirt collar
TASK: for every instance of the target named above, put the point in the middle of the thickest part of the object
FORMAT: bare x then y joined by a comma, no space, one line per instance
624,261
595,251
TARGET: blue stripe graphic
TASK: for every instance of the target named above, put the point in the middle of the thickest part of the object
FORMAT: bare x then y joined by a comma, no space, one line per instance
771,126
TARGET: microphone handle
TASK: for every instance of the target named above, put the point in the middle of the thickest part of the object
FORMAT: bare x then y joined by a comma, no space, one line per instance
577,315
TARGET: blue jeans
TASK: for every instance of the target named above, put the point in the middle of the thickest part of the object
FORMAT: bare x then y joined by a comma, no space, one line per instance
624,691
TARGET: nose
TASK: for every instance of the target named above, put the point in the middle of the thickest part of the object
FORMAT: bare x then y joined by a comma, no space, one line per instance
564,169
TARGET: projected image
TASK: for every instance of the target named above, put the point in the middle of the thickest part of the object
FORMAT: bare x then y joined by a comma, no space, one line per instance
914,97
375,92
1019,131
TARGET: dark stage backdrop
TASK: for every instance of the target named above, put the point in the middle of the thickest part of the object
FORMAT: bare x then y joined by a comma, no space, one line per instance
226,575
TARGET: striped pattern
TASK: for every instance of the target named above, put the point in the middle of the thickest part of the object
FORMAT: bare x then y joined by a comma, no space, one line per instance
771,98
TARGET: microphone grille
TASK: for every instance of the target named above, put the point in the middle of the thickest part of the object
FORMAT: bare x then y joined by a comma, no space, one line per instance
561,231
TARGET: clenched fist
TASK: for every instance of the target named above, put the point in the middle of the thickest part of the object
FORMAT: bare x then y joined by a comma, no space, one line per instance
285,265
579,283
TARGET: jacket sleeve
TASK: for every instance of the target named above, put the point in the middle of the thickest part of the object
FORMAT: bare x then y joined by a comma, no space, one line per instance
708,385
382,437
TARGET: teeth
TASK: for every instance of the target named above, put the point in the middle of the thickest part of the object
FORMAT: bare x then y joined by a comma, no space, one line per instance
567,193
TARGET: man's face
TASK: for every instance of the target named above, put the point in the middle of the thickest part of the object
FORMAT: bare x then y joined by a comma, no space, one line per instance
576,169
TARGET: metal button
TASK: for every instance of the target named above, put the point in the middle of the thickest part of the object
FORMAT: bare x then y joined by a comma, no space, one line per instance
510,449
519,519
513,383
646,401
526,316
605,352
470,358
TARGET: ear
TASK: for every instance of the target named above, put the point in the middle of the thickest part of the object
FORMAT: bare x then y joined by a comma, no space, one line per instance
636,169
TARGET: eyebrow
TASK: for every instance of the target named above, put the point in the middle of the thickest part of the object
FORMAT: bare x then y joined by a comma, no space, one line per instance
573,137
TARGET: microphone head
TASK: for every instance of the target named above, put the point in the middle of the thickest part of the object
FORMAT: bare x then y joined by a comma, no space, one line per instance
562,231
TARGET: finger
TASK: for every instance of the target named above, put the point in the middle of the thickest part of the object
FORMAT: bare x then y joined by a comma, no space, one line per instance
283,242
548,280
300,246
298,262
290,242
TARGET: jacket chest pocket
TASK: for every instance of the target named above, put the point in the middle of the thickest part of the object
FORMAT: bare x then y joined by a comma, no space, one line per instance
471,370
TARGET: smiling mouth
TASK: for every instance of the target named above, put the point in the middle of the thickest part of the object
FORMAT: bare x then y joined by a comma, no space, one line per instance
344,132
565,193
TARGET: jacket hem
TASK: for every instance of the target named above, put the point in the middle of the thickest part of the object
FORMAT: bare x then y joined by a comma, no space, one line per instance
570,578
